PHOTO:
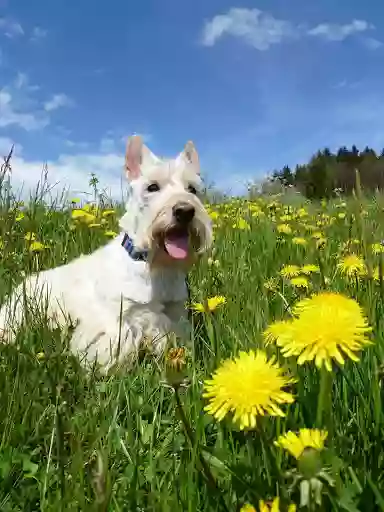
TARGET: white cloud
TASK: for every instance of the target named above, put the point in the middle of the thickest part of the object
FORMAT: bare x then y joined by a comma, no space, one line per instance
22,83
38,33
70,172
20,107
372,43
338,32
21,80
345,84
76,145
11,28
5,147
255,27
261,30
10,114
57,101
107,145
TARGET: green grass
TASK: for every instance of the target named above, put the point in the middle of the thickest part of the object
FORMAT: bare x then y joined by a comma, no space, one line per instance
77,441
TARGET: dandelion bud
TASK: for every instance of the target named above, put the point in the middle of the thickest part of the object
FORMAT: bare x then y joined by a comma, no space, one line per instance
175,364
309,463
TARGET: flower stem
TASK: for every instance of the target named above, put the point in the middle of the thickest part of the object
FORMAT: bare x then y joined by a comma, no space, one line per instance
203,463
213,338
324,404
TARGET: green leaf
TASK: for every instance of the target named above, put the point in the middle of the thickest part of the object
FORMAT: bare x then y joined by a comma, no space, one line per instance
29,467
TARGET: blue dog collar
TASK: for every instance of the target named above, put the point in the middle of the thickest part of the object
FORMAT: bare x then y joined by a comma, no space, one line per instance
136,255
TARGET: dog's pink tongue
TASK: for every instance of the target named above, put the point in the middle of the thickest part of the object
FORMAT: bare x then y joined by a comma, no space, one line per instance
177,246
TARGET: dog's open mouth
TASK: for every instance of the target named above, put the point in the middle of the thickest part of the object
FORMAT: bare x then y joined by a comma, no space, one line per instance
176,243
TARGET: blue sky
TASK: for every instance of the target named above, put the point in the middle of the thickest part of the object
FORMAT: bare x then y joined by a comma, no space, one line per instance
256,85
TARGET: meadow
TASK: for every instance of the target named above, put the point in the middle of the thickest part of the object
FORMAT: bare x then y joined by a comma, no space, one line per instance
284,287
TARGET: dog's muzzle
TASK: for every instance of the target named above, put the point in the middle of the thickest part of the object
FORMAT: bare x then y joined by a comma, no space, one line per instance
183,214
176,239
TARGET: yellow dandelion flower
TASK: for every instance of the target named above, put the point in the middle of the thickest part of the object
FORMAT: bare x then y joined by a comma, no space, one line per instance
276,331
94,225
376,274
290,271
352,265
300,282
274,506
297,240
286,218
284,228
248,508
310,269
242,224
302,212
248,386
328,326
83,216
211,304
317,235
295,444
110,233
78,213
37,247
341,215
30,236
271,284
88,218
377,248
108,213
214,215
320,242
20,216
265,506
89,207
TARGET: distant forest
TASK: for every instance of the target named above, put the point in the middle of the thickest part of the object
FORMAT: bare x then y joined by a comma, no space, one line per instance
328,173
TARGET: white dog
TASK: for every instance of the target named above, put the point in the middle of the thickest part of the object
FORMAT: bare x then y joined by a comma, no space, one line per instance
133,289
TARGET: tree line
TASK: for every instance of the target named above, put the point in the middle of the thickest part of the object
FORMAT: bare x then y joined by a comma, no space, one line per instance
327,173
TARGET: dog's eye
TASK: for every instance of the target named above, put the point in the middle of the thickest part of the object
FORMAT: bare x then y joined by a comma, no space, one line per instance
153,187
192,190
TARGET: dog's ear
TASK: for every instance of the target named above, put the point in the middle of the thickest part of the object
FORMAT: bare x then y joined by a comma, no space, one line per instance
137,156
189,154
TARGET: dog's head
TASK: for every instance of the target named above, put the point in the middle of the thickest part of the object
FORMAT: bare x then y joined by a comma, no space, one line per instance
164,214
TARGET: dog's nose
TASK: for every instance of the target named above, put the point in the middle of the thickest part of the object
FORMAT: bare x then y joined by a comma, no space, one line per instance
183,213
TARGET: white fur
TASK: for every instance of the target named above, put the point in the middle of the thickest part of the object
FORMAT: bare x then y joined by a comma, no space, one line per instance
116,301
